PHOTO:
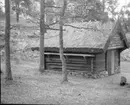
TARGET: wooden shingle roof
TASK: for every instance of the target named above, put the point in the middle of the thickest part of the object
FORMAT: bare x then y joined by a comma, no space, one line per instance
89,35
94,37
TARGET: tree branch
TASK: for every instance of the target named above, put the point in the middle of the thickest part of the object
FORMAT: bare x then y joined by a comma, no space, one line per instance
53,23
95,29
53,7
13,26
48,28
33,21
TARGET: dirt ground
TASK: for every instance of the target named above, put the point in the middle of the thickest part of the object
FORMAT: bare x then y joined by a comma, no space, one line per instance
31,87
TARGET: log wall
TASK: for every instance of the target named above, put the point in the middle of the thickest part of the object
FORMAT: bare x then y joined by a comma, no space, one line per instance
74,63
116,42
95,64
99,63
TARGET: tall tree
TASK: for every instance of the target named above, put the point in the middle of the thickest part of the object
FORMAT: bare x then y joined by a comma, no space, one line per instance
64,70
125,17
111,6
0,64
7,41
17,3
19,7
42,32
103,3
34,13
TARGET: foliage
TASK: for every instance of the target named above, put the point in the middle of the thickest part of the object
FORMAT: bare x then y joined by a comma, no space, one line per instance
21,46
24,5
77,10
125,55
111,6
20,7
125,16
1,10
86,10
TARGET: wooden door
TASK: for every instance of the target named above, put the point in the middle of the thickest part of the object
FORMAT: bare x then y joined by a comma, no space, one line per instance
110,62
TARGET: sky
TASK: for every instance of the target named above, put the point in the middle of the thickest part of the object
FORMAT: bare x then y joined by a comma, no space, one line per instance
121,3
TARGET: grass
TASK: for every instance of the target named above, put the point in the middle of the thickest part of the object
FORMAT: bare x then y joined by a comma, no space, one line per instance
30,87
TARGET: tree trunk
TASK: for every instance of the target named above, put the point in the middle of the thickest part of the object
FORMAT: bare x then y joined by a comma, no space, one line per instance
42,32
103,2
7,41
17,12
0,65
17,17
64,71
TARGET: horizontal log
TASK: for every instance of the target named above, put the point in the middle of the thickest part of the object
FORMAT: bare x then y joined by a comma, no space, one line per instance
84,63
68,60
68,67
70,54
73,65
56,69
67,63
70,70
55,58
75,68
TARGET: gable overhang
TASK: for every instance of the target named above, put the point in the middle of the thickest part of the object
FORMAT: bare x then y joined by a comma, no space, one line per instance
117,28
123,36
75,50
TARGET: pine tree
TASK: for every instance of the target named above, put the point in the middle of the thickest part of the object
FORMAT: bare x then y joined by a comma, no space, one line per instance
7,41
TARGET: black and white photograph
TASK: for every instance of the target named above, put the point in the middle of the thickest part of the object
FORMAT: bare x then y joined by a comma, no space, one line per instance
65,52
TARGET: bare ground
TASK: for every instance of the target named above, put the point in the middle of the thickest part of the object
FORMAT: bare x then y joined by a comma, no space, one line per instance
30,87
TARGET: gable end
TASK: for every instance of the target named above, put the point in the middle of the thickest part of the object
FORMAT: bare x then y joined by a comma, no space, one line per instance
117,38
116,42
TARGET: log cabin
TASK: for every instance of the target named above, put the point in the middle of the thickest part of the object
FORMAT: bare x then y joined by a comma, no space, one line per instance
90,47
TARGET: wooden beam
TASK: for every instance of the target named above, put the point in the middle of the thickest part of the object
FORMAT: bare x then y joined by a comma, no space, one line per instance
84,55
92,65
109,62
112,48
75,50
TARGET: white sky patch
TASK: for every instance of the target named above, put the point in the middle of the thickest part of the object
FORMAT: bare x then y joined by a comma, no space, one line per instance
122,3
2,2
